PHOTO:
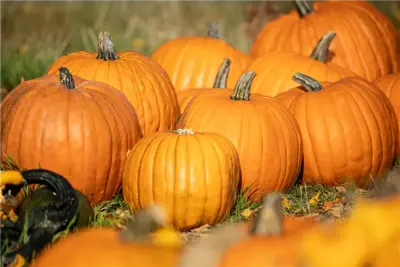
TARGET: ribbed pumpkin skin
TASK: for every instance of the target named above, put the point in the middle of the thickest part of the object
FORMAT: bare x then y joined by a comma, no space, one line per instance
101,247
194,177
193,62
83,134
367,42
143,81
349,131
265,135
186,96
276,69
390,85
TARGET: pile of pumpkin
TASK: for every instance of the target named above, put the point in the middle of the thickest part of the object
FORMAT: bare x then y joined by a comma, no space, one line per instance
316,100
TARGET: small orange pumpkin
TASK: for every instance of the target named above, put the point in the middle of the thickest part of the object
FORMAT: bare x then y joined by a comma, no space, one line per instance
367,42
390,85
264,133
143,81
194,176
349,129
276,69
192,62
78,128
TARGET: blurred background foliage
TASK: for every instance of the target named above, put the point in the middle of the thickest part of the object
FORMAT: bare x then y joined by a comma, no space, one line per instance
35,33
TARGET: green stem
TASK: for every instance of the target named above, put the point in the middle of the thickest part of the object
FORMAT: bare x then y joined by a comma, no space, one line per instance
310,84
321,50
221,79
66,78
213,30
106,48
269,219
303,8
242,87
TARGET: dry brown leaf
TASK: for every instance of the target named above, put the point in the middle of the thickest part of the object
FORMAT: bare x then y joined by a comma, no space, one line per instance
314,199
330,204
200,229
337,210
341,189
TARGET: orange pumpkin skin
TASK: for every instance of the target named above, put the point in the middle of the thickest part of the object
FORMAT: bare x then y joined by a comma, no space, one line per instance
194,176
349,131
193,62
367,42
390,85
255,127
83,133
101,247
143,81
276,69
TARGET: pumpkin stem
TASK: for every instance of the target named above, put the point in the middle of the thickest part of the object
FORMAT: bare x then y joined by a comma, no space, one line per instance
66,78
221,79
143,223
184,131
321,51
268,221
213,30
106,48
307,82
242,87
303,8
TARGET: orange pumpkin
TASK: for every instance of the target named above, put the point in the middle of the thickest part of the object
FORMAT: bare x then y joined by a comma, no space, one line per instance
367,42
106,247
143,81
276,69
194,176
186,96
193,62
390,85
264,133
80,129
349,129
273,241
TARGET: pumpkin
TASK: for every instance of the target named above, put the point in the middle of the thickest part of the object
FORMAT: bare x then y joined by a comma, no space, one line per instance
263,132
271,242
349,129
192,62
78,128
43,196
194,176
390,85
143,81
367,42
186,96
107,247
276,69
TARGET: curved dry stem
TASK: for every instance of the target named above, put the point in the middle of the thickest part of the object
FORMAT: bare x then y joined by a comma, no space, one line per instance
221,80
310,84
143,223
66,78
268,221
213,30
321,50
106,50
303,8
243,86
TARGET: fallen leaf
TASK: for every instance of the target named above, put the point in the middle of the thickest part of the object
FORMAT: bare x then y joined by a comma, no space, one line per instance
202,228
341,189
330,204
286,203
314,199
337,210
246,213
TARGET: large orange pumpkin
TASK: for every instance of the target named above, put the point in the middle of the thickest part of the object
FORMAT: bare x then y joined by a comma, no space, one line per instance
186,96
193,62
80,129
390,85
138,245
264,133
142,80
276,69
194,176
349,129
367,42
